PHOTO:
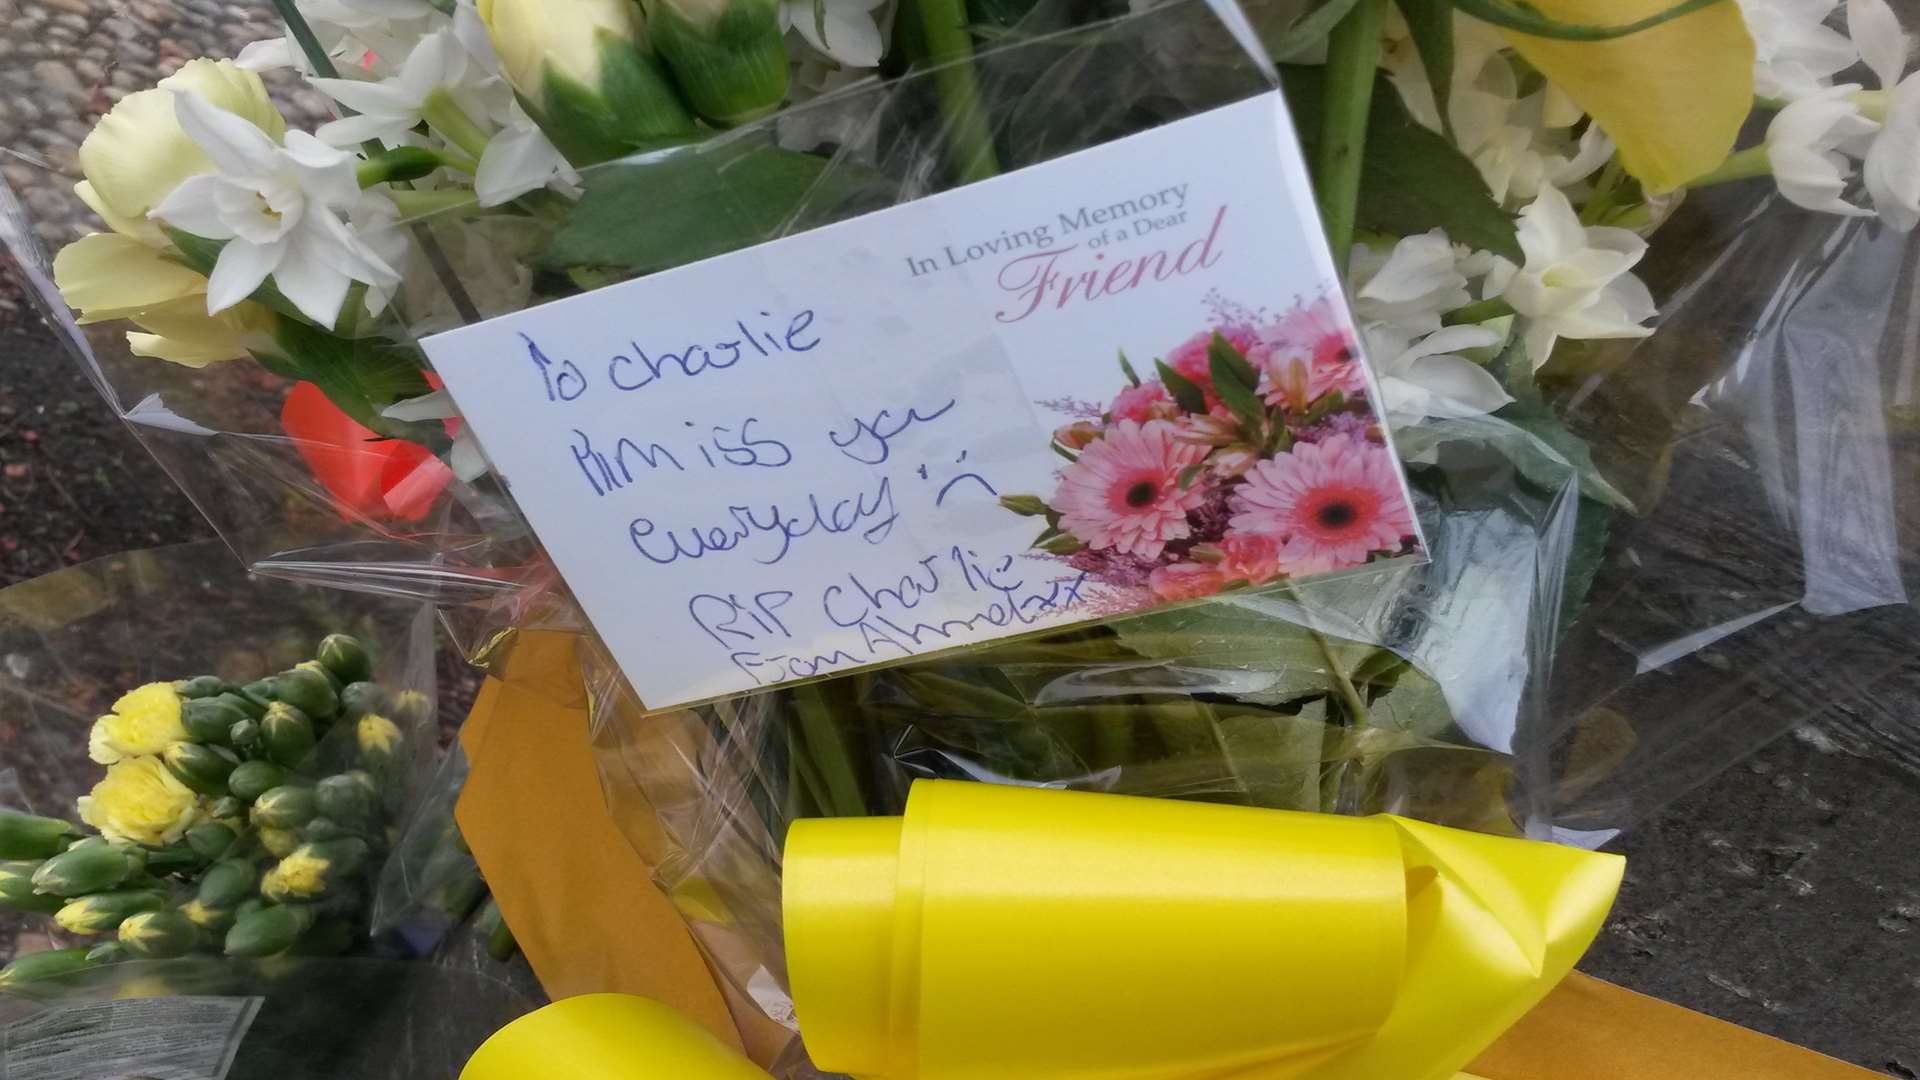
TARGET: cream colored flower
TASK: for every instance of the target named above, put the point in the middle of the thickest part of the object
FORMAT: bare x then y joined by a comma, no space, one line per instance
143,723
279,843
376,734
108,276
533,37
140,801
300,875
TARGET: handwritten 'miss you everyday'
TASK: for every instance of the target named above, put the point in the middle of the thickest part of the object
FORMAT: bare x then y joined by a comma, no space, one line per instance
1038,273
763,637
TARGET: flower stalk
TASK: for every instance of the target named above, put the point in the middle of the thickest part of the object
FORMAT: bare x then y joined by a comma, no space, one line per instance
1353,61
941,32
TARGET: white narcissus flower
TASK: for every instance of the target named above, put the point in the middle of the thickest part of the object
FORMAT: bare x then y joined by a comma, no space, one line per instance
1410,287
466,459
1425,375
1577,282
369,34
847,31
1796,54
391,108
279,210
1804,144
520,158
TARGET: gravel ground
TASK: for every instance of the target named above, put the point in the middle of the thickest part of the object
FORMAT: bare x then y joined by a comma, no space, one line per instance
1784,896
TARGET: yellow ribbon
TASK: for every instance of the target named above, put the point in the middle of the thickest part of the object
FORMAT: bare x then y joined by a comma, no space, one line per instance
997,932
607,1037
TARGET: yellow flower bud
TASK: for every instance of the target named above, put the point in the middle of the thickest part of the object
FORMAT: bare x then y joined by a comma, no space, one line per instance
279,842
139,800
301,875
143,722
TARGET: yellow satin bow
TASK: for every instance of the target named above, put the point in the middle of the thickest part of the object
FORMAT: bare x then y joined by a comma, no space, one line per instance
607,1037
998,932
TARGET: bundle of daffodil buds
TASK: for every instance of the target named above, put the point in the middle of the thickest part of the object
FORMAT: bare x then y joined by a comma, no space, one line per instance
231,818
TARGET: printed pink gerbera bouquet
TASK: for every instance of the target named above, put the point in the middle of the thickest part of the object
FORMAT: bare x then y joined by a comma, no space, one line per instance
1254,456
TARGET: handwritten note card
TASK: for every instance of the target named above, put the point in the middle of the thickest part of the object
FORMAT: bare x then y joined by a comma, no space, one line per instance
1119,379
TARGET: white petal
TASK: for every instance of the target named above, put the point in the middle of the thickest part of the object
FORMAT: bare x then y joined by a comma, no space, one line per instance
194,207
1418,265
439,60
1876,32
386,99
1453,339
1892,170
237,147
1457,387
466,459
241,269
516,161
353,130
1549,229
268,55
852,37
471,29
1595,149
317,289
435,406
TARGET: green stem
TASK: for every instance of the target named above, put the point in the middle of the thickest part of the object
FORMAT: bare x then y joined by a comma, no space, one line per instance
1342,682
1479,312
1353,62
445,116
946,44
419,204
1743,165
826,747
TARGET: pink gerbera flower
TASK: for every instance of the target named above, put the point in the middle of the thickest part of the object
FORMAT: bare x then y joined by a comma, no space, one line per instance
1310,353
1331,504
1186,581
1192,359
1148,401
1124,492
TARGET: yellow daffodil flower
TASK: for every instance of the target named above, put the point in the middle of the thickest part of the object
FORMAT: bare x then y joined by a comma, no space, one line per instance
140,801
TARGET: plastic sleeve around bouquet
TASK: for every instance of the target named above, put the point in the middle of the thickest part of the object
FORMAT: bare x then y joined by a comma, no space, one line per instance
996,931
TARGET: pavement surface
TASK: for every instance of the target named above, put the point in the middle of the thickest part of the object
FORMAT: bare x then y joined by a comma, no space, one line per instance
1784,895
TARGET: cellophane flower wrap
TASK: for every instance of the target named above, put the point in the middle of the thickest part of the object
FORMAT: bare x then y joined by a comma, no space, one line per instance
1633,280
152,850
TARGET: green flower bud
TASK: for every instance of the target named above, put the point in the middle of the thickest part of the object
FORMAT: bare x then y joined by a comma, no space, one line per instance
227,882
1062,545
324,672
587,72
288,806
17,892
34,967
259,694
23,836
325,829
308,690
211,720
205,769
202,686
286,735
343,655
268,930
359,699
158,935
89,869
254,779
349,798
727,56
107,952
103,912
245,736
1024,505
279,842
212,840
381,745
228,811
412,709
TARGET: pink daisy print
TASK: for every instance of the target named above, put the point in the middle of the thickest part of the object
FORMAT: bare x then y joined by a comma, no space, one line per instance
1124,491
1186,581
1310,353
1148,401
1331,504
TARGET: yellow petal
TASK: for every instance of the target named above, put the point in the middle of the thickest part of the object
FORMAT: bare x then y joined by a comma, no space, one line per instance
137,153
105,276
185,334
142,229
1673,98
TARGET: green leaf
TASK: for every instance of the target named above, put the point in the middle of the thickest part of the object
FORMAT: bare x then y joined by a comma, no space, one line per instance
1413,179
1184,390
363,376
1126,369
1221,351
1520,16
1237,395
1530,413
1281,658
1413,704
1191,473
1430,22
691,203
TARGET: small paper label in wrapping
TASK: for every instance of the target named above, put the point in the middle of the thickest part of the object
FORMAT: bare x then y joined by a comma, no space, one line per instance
168,1038
1123,378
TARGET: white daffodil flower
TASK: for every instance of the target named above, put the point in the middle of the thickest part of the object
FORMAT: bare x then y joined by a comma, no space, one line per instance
845,31
391,108
1424,374
1411,287
466,459
370,34
279,210
1812,143
520,158
1796,54
1577,281
1804,144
